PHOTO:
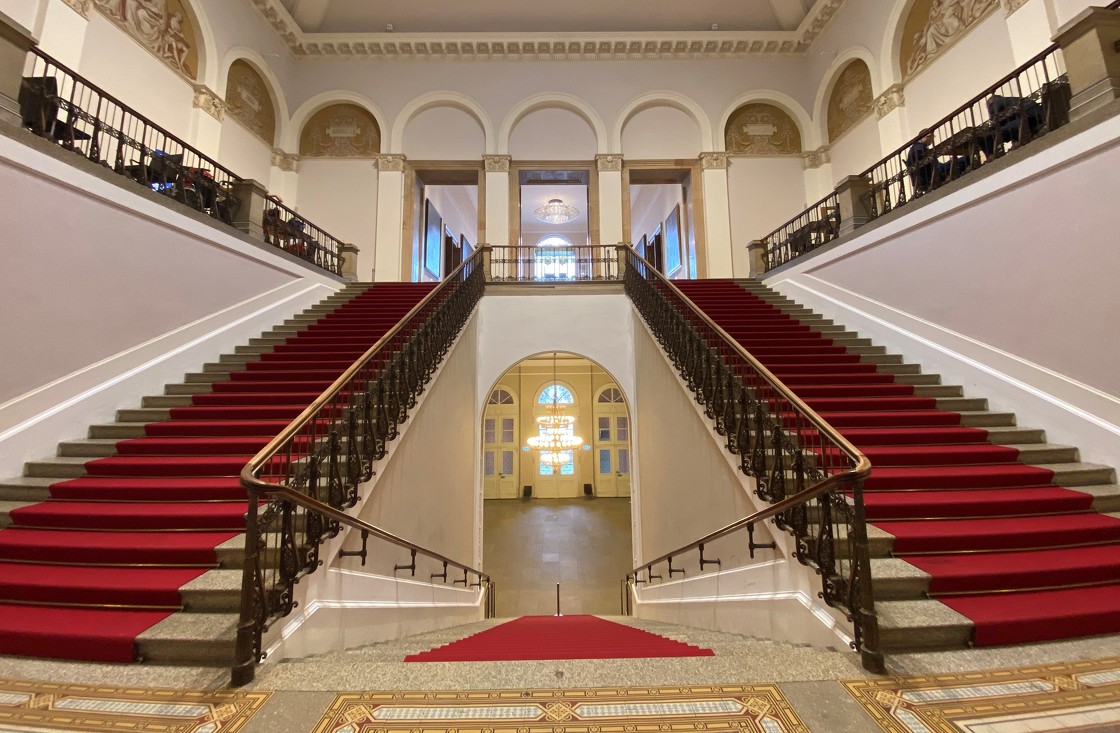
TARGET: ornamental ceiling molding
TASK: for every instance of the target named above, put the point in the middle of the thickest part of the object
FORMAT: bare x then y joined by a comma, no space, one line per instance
81,7
545,46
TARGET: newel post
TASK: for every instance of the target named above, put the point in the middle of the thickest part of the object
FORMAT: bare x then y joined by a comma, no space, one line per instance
15,42
249,217
854,194
1090,44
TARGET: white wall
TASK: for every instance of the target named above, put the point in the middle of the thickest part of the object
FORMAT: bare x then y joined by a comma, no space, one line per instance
661,132
764,193
552,134
117,296
444,133
245,154
341,197
650,206
24,12
857,149
1007,286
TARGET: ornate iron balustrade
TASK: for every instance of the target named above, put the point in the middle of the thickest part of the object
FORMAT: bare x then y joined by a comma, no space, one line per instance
1021,107
812,228
301,483
59,104
548,264
286,229
810,474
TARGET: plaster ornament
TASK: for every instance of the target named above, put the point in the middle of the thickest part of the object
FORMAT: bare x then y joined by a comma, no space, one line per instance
890,100
946,21
158,25
249,102
762,129
340,131
608,162
496,163
715,161
851,99
392,162
209,102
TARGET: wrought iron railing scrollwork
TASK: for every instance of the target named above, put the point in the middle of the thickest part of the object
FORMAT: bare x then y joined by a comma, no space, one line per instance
554,264
809,474
816,226
301,484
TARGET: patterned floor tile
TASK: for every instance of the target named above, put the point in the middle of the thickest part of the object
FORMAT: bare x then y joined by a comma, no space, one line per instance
33,706
738,708
1072,696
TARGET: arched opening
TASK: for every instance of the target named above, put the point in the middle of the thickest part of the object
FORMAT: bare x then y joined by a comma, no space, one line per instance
556,461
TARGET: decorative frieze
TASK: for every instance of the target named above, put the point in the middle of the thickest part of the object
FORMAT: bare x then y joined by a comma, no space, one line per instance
932,26
496,163
391,162
81,7
758,128
608,162
285,161
207,100
715,161
817,158
161,27
851,99
890,100
1010,6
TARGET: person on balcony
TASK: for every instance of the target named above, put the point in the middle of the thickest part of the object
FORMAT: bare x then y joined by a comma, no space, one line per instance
926,171
1014,120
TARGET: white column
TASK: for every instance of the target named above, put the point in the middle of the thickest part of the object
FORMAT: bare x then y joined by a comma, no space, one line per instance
206,121
390,217
890,108
610,199
1030,26
717,214
284,179
497,198
64,30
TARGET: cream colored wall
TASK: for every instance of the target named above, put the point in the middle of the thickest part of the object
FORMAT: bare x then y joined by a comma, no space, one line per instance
552,134
661,132
651,206
341,196
443,133
24,12
245,154
858,148
764,193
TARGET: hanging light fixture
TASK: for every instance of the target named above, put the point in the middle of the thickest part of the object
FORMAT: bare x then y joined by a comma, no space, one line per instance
555,438
556,212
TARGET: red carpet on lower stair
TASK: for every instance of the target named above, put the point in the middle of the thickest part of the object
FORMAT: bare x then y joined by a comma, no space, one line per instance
998,537
559,637
126,537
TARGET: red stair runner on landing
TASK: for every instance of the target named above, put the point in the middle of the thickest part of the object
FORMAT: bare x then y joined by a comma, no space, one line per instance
983,523
558,637
124,538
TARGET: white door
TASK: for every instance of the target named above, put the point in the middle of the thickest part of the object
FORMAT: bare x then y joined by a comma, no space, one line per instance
556,481
612,444
499,446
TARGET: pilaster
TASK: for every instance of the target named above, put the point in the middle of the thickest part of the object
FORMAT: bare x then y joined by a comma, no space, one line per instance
284,179
64,30
890,109
1029,27
717,214
497,198
388,245
609,168
206,120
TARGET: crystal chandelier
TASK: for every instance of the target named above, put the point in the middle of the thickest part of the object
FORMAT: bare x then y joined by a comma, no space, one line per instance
556,212
555,439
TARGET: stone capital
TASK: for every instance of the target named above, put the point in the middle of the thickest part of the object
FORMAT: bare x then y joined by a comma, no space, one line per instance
817,158
891,99
608,162
496,163
207,100
81,7
715,161
390,162
285,161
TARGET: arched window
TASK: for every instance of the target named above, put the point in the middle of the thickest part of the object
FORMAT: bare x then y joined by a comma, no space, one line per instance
554,258
554,240
611,395
560,395
500,397
557,393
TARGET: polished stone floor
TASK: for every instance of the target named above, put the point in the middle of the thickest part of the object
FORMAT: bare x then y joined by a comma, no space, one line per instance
530,545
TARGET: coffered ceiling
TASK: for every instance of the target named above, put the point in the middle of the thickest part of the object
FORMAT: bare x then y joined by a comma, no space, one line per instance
538,30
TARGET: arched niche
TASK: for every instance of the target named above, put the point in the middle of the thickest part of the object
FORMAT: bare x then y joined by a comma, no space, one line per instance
552,133
166,28
932,26
851,100
762,129
443,133
250,101
340,130
659,132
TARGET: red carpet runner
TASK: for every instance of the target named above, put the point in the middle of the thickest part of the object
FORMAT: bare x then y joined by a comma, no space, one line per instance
558,637
81,575
963,510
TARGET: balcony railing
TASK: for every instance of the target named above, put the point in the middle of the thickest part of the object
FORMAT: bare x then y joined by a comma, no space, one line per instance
59,104
1020,108
804,468
547,264
301,483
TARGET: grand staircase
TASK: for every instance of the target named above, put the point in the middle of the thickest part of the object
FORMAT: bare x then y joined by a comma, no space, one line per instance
983,533
128,545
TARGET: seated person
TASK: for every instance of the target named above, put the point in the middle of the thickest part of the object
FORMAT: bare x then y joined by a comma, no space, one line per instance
925,169
1008,115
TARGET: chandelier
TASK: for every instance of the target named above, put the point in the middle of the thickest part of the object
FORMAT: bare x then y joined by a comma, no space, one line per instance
555,437
556,212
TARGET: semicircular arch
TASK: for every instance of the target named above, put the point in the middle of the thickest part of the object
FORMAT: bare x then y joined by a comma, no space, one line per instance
810,140
553,100
832,75
275,90
321,101
441,99
663,99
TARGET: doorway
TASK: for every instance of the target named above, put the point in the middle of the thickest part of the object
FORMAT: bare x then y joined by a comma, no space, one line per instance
444,221
662,222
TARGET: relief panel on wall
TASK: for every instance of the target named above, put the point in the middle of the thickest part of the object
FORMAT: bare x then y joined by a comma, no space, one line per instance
249,101
851,100
934,25
762,129
340,131
161,26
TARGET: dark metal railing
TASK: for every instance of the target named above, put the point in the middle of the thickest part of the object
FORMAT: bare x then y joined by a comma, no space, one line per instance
59,104
816,226
286,229
301,483
549,264
810,474
1018,109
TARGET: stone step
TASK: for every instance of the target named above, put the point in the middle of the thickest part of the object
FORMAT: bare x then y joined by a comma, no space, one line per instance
143,414
962,404
118,430
208,377
1106,497
1015,436
238,358
985,418
7,507
938,390
190,639
252,350
1080,474
60,467
893,579
186,389
881,358
917,379
26,488
901,369
90,448
167,400
921,625
1049,453
267,340
215,591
